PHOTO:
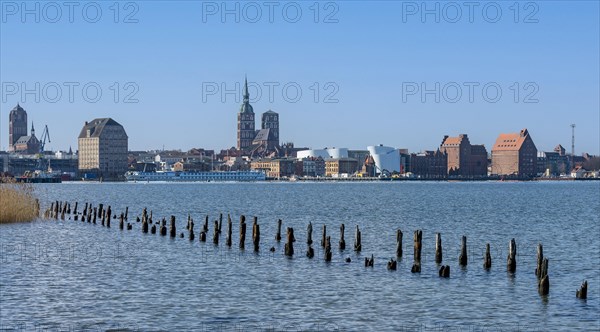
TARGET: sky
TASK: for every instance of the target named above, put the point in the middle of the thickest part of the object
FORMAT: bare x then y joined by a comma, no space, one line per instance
339,73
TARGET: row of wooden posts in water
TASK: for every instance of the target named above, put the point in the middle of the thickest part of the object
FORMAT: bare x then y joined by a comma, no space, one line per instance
91,214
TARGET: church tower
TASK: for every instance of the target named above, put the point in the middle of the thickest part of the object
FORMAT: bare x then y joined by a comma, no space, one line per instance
245,122
17,126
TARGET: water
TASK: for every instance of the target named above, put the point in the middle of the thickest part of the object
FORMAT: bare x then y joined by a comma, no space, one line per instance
70,275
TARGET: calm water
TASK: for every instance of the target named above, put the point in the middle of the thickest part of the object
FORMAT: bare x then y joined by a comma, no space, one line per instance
70,275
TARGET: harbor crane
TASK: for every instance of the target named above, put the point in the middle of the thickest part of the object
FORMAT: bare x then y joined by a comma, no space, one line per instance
41,161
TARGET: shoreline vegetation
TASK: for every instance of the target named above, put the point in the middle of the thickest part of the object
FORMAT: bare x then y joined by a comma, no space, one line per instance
17,202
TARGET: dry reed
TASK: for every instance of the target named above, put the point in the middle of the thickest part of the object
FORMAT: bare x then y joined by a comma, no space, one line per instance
17,202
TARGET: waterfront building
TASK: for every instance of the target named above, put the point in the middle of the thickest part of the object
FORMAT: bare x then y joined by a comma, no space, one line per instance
387,159
274,168
429,164
28,144
17,125
340,167
464,159
310,166
326,153
103,149
553,163
514,154
270,122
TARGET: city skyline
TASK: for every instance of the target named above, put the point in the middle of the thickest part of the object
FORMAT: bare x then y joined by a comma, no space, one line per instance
368,73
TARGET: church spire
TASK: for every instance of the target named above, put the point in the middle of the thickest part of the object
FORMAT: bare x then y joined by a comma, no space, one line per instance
246,94
32,129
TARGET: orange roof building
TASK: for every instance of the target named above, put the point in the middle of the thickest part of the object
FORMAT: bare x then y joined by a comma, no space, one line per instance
464,159
514,154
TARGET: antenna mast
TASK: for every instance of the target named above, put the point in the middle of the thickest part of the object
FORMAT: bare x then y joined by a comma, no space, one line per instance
573,145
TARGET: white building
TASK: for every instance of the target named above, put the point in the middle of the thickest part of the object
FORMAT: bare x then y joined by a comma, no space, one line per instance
327,153
386,158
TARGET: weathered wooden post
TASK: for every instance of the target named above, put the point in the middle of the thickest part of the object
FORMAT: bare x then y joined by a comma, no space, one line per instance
108,222
289,245
540,259
94,217
144,224
544,284
369,262
191,230
438,248
399,236
216,233
56,210
445,271
324,237
309,230
126,212
342,240
172,229
220,223
75,209
462,259
582,291
357,240
310,252
144,215
511,260
85,210
278,235
104,218
68,208
205,226
163,227
417,243
392,264
255,234
229,225
100,210
242,231
121,224
487,260
328,249
153,229
129,226
108,213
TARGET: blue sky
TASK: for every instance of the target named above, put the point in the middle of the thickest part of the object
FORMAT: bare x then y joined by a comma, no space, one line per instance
365,59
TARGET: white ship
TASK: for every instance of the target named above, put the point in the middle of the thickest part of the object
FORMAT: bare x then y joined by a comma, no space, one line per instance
233,176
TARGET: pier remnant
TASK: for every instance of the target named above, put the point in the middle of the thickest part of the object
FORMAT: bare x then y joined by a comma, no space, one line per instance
418,245
462,259
438,248
289,245
242,231
511,260
328,249
582,291
357,240
369,262
487,260
544,283
392,264
399,236
445,271
163,227
191,234
342,240
324,236
309,231
229,225
278,235
540,259
172,229
255,234
216,233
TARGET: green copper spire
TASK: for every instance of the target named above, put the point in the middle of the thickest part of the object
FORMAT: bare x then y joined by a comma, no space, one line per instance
246,95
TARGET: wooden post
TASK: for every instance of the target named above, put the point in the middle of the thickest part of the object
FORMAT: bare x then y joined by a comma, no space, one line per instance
85,210
392,264
144,224
100,210
309,230
94,217
220,223
357,240
369,262
324,237
310,252
163,227
327,248
108,213
108,222
462,259
417,243
56,210
582,291
342,240
289,245
205,227
153,229
144,215
121,224
540,259
511,260
438,248
129,226
278,235
75,210
191,234
216,233
242,231
255,234
104,218
229,224
544,284
399,236
487,260
126,212
445,271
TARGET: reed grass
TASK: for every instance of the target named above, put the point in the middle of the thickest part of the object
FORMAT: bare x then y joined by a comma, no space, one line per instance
17,202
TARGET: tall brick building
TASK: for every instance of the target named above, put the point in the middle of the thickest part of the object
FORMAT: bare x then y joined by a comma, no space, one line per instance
464,159
103,149
514,154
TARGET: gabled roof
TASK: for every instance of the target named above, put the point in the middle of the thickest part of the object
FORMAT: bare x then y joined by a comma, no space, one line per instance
27,139
511,142
96,126
263,135
455,141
